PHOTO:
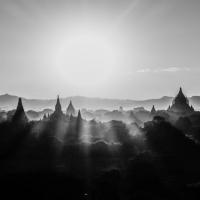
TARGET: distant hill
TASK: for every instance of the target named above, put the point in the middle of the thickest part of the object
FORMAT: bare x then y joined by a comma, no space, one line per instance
8,102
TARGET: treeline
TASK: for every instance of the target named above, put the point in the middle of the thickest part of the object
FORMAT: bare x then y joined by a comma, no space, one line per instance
80,159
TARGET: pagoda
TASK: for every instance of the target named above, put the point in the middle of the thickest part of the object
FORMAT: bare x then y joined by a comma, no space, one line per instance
70,109
20,116
180,104
58,110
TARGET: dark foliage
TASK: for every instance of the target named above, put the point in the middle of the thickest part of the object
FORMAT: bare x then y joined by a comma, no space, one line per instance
53,158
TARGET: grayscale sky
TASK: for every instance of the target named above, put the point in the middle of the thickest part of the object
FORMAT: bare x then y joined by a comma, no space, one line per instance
134,49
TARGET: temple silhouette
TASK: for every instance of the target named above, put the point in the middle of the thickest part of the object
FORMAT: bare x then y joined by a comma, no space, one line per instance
70,109
20,117
180,104
58,113
153,110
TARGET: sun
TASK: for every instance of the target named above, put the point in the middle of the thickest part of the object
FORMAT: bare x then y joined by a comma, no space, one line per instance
87,59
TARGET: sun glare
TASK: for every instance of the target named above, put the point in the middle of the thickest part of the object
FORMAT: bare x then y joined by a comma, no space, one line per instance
87,58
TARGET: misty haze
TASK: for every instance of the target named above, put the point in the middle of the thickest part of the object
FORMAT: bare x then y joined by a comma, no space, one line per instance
99,99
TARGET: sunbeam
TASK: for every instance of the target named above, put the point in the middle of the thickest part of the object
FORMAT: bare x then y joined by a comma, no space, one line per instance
123,15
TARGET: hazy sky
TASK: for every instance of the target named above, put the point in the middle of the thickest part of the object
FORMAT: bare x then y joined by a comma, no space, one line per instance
104,48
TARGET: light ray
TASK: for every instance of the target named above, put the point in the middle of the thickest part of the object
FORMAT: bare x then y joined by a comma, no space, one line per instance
125,13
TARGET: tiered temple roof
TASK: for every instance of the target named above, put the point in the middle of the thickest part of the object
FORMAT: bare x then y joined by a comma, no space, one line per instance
180,104
58,110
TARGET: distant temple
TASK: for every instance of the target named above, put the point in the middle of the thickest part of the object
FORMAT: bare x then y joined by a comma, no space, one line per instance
58,113
180,104
70,109
58,110
20,116
153,110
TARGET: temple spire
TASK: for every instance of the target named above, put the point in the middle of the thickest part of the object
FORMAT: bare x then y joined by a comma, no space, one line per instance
180,91
70,109
58,114
153,110
20,116
58,107
180,104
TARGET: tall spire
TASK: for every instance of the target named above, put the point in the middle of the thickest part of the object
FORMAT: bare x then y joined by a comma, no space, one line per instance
19,105
20,116
58,114
181,92
58,108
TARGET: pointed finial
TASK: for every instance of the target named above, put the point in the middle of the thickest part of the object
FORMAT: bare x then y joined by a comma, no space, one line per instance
20,102
58,98
20,105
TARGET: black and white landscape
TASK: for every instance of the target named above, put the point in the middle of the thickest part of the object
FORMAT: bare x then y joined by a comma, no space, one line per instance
99,99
